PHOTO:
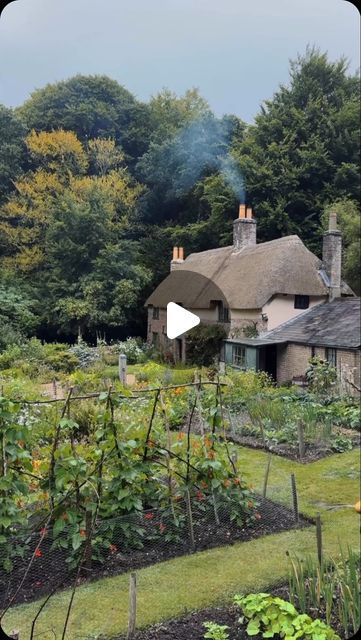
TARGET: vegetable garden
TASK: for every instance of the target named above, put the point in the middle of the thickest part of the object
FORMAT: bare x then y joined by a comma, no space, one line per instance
99,484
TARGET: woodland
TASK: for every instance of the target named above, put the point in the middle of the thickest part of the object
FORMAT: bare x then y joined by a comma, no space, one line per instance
96,187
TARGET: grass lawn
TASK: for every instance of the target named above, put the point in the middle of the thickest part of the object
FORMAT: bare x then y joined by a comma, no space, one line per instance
170,588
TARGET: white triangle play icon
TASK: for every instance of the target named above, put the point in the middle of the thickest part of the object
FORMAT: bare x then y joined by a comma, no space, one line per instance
179,320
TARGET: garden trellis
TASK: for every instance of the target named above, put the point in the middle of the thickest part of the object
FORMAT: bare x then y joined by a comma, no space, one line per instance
183,490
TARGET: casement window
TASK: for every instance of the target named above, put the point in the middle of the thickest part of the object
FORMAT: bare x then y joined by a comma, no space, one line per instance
302,302
155,313
239,356
331,356
223,313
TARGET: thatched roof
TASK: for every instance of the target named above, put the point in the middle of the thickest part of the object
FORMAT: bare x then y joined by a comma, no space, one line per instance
332,324
247,278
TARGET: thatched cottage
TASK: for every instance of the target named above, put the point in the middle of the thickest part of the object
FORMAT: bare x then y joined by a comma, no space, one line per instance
261,286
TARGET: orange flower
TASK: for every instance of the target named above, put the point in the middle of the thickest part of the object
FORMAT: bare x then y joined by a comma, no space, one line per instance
237,481
180,436
149,516
36,464
113,548
200,495
226,483
250,504
82,532
38,553
178,391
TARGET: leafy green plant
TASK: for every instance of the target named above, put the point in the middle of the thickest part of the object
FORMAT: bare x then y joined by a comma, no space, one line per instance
203,343
216,631
271,616
14,457
321,375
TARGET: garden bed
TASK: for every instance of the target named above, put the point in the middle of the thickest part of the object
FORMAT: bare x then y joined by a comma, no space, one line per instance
314,451
49,571
343,439
191,625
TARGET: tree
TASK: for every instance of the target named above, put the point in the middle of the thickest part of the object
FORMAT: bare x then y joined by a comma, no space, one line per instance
12,150
303,152
91,107
172,168
18,313
93,277
60,162
104,155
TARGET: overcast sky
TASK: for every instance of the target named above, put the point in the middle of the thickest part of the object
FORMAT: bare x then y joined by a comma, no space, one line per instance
235,51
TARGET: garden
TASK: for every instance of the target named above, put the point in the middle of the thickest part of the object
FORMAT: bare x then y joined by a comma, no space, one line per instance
209,487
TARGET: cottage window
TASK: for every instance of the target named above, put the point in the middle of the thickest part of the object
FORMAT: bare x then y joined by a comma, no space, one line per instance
239,356
302,302
155,339
223,313
331,356
155,313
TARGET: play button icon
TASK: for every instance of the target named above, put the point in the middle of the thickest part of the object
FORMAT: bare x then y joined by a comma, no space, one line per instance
179,320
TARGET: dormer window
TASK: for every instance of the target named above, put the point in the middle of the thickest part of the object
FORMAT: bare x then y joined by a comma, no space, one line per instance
302,302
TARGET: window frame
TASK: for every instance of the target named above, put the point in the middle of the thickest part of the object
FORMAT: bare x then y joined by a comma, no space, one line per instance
238,360
155,315
301,302
223,313
331,356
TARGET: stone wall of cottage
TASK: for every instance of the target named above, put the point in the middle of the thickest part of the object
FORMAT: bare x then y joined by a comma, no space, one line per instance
157,336
293,361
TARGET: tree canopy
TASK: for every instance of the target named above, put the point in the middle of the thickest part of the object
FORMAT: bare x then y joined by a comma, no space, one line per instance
96,187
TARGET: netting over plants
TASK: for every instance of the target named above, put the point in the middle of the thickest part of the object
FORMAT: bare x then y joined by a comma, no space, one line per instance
98,487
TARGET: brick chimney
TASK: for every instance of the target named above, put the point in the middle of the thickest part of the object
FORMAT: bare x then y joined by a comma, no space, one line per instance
244,229
178,257
332,255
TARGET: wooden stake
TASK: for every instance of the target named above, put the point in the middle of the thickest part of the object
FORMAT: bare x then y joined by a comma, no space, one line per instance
294,496
88,533
190,520
319,538
265,482
132,618
301,439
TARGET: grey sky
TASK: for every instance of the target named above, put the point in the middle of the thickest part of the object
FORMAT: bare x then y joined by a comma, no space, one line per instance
235,51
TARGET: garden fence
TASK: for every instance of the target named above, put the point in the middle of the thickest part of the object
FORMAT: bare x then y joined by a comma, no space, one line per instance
167,549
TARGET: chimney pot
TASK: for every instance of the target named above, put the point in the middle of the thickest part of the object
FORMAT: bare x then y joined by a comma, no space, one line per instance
249,213
332,221
180,253
175,253
242,211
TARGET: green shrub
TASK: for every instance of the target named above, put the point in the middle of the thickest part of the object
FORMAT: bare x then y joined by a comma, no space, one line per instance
204,343
321,375
133,348
272,616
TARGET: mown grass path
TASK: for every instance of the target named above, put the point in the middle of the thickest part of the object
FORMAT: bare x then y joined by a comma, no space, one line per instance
168,589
